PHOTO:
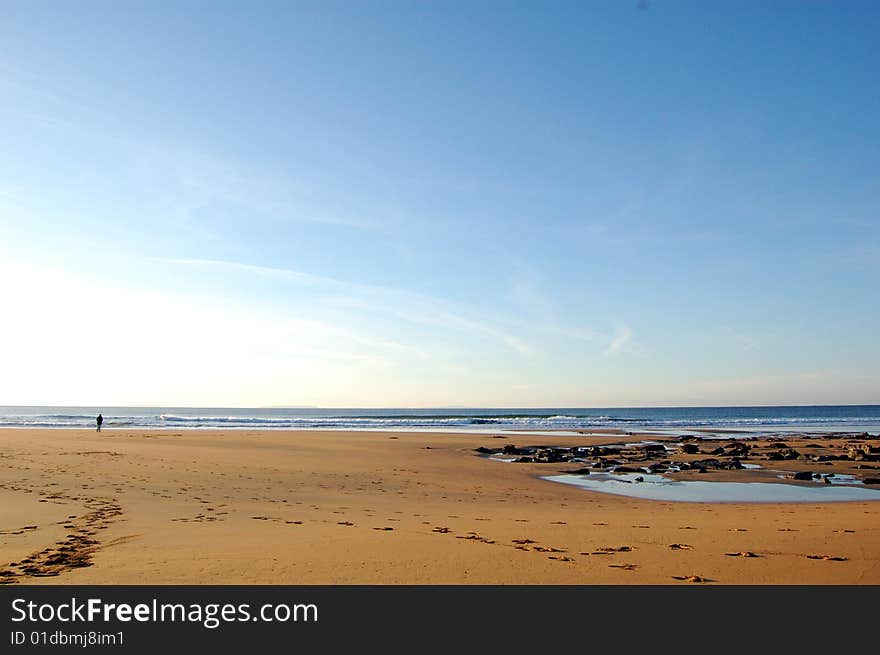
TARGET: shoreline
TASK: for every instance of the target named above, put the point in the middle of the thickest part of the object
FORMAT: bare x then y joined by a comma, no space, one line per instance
663,420
245,506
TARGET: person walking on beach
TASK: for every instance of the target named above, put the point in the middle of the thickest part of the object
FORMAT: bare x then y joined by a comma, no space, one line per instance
99,420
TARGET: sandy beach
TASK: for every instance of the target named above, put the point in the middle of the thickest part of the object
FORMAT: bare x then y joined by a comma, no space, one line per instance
130,506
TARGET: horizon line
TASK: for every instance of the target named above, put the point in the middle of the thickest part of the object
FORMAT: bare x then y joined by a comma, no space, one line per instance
456,407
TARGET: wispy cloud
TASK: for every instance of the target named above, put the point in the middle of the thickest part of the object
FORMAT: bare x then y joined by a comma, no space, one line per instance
269,271
527,294
620,342
375,344
421,309
570,332
185,179
44,103
403,304
443,318
195,180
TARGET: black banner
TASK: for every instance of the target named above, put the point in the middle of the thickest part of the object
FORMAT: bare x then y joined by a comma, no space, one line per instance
238,618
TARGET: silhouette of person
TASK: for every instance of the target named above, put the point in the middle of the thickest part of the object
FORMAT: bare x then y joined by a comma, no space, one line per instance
99,420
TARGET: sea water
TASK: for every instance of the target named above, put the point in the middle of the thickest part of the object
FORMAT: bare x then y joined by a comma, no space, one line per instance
841,418
657,487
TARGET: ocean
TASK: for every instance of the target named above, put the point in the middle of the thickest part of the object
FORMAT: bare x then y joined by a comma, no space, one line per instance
841,418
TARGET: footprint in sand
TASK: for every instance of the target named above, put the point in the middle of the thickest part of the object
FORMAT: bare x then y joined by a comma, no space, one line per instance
610,550
561,558
548,549
743,553
625,567
680,547
22,530
691,578
523,541
442,530
344,523
385,528
473,536
830,558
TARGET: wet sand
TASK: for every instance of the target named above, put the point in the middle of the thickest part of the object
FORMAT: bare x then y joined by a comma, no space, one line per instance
271,507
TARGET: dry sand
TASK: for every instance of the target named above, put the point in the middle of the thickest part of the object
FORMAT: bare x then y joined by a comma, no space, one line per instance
272,507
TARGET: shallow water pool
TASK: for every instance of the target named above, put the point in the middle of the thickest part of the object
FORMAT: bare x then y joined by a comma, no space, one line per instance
657,487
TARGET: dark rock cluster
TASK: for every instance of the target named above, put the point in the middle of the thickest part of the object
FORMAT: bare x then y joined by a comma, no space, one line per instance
652,457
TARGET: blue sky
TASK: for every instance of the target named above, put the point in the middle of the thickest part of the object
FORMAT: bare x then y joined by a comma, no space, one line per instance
439,203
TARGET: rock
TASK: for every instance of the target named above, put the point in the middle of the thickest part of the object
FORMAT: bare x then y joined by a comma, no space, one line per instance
871,481
654,448
862,452
485,451
801,475
628,469
524,460
717,451
689,449
737,449
579,472
785,453
551,456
